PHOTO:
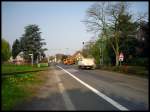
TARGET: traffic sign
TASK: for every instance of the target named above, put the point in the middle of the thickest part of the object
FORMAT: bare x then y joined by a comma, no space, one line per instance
121,56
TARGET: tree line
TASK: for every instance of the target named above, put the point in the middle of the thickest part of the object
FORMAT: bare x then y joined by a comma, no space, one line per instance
117,32
29,43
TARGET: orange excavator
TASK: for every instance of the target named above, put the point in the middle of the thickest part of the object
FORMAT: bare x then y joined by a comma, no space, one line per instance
69,61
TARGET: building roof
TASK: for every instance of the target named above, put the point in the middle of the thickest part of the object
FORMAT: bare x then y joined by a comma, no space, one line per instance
76,53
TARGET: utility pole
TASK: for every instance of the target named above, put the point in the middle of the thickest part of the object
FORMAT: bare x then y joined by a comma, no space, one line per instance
101,52
83,45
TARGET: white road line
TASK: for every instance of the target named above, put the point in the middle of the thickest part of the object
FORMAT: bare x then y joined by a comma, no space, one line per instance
111,101
66,98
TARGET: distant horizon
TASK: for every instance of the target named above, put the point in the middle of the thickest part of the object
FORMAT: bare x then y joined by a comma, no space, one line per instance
59,22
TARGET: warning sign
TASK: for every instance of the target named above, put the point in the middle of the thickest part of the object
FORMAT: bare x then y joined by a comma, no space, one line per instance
121,57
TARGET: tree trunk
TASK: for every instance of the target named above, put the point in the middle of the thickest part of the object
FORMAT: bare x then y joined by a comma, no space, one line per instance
117,59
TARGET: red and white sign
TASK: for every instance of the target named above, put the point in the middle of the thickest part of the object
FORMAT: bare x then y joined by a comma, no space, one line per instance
121,56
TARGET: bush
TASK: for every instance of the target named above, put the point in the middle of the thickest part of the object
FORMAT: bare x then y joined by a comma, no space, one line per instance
139,70
140,62
6,50
42,64
44,60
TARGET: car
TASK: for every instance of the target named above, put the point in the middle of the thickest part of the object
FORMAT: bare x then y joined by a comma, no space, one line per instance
87,63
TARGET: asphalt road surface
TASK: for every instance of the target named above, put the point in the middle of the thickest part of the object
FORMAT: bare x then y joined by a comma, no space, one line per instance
81,89
131,92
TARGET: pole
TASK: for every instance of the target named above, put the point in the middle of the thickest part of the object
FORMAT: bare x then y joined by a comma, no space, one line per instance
102,51
48,58
40,55
100,57
37,60
32,59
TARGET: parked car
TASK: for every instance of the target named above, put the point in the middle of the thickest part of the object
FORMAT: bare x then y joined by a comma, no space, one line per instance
87,63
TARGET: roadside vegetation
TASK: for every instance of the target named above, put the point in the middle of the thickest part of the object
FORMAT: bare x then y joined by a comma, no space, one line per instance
21,80
10,69
5,51
130,70
118,31
20,86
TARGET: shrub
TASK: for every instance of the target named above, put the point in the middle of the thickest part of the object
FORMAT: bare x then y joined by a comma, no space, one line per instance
140,62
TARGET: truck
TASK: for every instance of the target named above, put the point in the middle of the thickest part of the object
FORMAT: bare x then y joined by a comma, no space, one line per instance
87,63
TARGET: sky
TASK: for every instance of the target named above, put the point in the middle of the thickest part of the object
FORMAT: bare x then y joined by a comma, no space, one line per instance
59,22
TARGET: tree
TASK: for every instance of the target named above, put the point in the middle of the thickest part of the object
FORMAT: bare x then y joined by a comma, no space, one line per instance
143,38
98,21
111,21
16,49
64,57
96,17
118,13
31,42
95,51
6,51
126,39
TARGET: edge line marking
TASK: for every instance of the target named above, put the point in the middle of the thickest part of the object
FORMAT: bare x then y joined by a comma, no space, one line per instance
111,101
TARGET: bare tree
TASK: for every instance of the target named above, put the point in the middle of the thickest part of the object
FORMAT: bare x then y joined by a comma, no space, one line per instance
116,11
104,18
95,18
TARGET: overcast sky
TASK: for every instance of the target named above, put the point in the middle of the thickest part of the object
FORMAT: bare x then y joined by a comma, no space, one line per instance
59,22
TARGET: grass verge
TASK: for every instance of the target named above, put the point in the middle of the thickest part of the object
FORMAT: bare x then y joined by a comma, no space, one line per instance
19,87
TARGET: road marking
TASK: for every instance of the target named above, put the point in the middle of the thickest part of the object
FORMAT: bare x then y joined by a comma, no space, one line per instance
111,101
66,98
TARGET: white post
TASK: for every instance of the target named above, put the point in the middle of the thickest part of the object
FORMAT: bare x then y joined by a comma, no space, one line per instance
40,55
37,60
48,58
31,58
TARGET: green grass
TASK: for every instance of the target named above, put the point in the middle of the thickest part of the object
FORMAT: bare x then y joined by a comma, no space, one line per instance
43,64
12,93
10,68
15,87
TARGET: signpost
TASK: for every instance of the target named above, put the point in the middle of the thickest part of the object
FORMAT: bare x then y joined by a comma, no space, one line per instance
121,57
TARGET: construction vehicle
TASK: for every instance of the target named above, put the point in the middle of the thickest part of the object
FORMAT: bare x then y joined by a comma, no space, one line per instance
69,61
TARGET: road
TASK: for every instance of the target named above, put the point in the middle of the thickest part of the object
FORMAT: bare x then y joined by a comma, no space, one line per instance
95,90
129,91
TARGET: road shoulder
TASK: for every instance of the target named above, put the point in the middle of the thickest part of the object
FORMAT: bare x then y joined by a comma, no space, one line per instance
48,96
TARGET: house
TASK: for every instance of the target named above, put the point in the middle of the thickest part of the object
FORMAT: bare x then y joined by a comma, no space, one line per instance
19,59
78,55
